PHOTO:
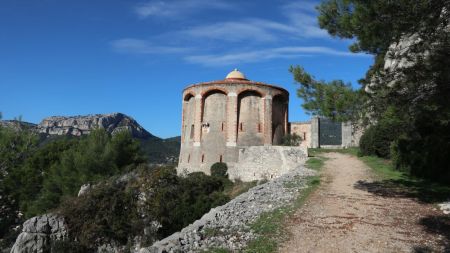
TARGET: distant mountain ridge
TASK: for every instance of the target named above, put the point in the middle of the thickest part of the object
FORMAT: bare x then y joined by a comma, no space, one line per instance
17,124
80,125
159,151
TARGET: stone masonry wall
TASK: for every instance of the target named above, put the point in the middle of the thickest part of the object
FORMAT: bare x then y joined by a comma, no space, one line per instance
302,129
266,162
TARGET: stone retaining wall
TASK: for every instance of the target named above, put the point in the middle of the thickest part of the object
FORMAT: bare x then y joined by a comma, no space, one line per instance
266,162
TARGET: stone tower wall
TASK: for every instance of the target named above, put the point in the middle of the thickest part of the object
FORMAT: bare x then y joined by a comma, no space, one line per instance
221,116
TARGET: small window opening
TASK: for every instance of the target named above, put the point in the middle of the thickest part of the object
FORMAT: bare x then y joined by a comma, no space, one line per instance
189,158
259,127
304,136
203,158
223,126
192,131
241,127
220,158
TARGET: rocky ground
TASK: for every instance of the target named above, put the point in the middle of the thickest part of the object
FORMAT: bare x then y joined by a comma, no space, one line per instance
350,213
227,226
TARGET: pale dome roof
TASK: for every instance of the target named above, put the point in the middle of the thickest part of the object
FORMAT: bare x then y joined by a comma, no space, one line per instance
236,74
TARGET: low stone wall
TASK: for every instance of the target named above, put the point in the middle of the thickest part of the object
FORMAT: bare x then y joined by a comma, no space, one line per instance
266,162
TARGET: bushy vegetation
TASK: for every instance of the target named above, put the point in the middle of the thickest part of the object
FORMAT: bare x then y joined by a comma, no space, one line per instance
119,210
15,148
291,140
59,168
179,201
34,179
126,193
378,138
219,170
108,212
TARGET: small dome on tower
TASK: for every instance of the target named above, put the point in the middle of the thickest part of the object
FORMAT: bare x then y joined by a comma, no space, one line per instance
236,74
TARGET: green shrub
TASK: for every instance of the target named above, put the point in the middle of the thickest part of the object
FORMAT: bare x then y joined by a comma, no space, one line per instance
219,170
425,157
176,202
108,212
291,140
377,138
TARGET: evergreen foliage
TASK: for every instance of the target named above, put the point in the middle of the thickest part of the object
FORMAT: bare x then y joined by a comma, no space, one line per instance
115,210
108,212
15,148
335,100
34,179
177,202
219,170
377,139
37,179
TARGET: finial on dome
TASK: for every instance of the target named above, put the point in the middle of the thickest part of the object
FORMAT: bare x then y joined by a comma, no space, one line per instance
236,74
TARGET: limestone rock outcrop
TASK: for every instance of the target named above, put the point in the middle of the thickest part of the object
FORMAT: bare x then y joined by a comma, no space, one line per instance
39,232
80,125
402,55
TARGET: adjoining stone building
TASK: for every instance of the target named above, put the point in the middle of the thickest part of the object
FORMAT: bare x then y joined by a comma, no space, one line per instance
221,116
324,133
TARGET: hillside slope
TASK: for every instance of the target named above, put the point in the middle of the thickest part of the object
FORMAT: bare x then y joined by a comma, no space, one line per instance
158,150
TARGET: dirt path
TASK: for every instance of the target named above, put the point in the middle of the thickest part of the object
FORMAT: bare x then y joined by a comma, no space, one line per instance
342,216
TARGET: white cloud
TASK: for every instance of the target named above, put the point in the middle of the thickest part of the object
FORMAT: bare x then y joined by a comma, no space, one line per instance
265,54
296,23
136,46
302,16
177,8
249,30
300,23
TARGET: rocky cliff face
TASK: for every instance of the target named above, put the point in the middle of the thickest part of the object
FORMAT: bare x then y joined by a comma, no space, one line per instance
405,54
80,125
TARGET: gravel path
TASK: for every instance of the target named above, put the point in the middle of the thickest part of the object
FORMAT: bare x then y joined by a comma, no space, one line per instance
343,216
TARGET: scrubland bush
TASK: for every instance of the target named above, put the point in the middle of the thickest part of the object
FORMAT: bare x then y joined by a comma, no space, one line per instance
219,170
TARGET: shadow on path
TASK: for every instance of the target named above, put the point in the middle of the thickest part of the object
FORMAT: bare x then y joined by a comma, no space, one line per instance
421,191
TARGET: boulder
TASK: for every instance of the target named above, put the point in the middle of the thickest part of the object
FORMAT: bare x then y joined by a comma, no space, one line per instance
38,234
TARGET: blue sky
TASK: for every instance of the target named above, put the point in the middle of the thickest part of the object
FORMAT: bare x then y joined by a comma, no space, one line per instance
77,57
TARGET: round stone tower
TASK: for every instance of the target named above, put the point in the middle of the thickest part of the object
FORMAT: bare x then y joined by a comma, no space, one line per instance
219,117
